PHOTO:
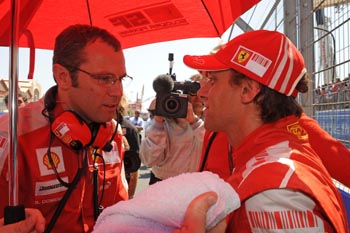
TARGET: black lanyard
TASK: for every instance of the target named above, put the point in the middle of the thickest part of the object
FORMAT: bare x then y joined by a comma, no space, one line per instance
207,149
66,195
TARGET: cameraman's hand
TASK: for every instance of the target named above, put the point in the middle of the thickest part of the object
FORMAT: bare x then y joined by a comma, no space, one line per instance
159,118
191,117
152,106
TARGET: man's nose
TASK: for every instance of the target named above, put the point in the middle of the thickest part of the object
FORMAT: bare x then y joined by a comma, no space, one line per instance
116,89
204,90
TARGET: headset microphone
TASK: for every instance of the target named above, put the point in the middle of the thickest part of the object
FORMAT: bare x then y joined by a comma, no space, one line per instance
108,145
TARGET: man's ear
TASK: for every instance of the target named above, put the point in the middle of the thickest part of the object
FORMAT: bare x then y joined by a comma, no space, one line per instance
249,89
62,76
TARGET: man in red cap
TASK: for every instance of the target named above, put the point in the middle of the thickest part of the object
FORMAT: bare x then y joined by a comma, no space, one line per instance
281,181
217,153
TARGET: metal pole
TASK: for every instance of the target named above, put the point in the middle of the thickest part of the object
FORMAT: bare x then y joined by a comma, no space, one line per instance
13,212
306,36
13,89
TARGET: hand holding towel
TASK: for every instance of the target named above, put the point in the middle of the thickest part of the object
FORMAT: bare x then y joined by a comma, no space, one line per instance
161,207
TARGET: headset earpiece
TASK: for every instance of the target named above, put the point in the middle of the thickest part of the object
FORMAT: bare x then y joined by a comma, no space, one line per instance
105,135
73,131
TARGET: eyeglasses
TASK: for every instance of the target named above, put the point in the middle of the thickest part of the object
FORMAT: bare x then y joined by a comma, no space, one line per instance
107,80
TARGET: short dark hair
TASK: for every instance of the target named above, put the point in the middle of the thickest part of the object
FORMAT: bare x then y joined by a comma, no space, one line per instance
274,105
71,42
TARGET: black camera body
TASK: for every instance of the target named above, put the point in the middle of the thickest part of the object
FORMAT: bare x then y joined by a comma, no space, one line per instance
175,103
172,96
171,105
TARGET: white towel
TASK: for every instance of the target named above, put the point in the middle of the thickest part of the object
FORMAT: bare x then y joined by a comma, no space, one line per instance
161,207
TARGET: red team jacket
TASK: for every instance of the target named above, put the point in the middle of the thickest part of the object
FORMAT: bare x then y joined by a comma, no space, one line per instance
334,155
275,171
38,185
218,160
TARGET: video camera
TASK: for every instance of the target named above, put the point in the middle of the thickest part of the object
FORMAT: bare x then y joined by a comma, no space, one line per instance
172,96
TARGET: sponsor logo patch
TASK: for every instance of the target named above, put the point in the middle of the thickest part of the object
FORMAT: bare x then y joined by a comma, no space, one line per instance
148,18
282,219
61,132
111,157
298,131
49,187
251,60
44,163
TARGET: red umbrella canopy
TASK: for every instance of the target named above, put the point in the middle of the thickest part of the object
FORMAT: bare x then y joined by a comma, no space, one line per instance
134,22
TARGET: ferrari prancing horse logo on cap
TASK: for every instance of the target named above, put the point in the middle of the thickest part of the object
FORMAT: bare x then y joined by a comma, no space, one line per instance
243,55
251,61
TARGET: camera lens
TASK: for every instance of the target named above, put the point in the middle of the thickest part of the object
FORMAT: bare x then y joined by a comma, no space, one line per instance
171,105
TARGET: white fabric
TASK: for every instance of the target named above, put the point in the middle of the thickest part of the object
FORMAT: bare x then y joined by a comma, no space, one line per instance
161,207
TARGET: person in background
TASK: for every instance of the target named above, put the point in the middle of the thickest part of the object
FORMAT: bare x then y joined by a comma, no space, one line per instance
146,117
22,99
34,222
132,160
276,169
173,146
125,142
136,120
69,150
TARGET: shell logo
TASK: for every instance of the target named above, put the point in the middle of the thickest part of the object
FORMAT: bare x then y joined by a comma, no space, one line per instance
297,130
55,159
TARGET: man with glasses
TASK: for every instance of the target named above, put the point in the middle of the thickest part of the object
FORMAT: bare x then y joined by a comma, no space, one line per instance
69,150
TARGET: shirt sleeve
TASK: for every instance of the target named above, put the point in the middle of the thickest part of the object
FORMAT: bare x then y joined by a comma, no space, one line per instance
285,210
154,145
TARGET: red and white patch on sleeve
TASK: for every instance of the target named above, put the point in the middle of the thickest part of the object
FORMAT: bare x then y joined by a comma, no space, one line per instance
283,219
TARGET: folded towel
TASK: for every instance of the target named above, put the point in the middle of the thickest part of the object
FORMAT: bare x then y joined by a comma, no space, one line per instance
161,207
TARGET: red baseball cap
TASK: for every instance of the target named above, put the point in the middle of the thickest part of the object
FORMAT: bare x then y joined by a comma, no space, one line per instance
268,57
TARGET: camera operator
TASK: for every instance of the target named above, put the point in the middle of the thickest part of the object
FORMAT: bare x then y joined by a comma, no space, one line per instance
173,145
